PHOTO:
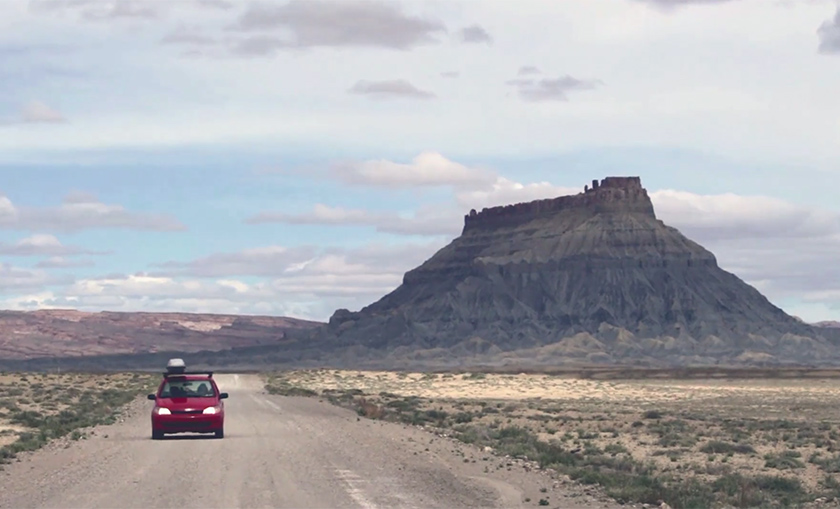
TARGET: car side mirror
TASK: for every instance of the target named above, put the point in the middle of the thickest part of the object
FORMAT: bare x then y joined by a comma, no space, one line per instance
151,397
223,395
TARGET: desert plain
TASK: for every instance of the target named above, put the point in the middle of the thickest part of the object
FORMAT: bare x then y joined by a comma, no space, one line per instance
724,442
658,440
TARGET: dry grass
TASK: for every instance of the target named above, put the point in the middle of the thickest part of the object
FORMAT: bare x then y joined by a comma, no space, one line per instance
693,443
38,407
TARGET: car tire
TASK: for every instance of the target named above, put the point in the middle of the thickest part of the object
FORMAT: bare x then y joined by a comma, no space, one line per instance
157,435
220,433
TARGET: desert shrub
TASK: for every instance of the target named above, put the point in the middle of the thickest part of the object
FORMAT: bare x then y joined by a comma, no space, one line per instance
719,447
784,461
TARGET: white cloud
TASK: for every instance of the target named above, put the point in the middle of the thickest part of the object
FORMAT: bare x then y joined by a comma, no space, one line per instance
730,216
550,89
389,89
428,220
600,39
42,245
292,263
16,279
504,191
59,262
99,10
474,188
426,169
345,23
787,251
264,261
306,287
80,211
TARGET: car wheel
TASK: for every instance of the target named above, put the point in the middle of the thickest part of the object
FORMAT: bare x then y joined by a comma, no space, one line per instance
220,433
157,435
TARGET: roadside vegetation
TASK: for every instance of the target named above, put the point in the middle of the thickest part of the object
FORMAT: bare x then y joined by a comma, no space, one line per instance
713,443
36,408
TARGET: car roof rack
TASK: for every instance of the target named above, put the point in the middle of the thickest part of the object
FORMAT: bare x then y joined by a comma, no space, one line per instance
184,373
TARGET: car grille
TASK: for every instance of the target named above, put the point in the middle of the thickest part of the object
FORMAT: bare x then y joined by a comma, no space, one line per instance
187,411
186,425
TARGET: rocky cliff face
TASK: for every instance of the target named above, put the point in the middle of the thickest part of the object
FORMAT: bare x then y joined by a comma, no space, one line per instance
593,277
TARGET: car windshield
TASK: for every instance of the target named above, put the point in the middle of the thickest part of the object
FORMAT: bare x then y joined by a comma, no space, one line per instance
187,389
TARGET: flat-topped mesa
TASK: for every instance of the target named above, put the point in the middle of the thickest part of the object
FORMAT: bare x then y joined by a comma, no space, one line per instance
610,195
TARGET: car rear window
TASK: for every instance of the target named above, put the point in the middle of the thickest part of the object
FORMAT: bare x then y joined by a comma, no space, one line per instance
187,389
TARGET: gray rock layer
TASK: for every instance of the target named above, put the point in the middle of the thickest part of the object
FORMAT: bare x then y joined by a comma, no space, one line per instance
596,275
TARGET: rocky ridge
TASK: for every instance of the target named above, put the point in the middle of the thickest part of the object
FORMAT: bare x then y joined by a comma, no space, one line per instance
71,333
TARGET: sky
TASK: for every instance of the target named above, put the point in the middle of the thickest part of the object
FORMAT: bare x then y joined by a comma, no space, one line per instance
295,157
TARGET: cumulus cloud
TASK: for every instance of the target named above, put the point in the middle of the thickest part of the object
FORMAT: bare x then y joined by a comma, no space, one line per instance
389,89
43,245
547,89
829,34
81,211
427,169
475,34
336,23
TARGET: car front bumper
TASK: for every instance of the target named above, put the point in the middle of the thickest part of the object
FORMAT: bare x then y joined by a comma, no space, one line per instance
185,423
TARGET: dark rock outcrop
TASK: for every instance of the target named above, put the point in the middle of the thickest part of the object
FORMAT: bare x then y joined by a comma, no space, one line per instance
594,277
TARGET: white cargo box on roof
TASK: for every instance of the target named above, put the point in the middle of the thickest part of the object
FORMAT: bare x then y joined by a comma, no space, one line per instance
176,366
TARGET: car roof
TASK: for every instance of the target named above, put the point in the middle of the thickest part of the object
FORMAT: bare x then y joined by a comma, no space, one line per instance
188,377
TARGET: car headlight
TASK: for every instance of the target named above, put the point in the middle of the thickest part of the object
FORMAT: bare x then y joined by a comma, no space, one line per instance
162,411
211,410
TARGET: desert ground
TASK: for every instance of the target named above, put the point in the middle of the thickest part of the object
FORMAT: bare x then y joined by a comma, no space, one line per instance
688,442
278,451
474,439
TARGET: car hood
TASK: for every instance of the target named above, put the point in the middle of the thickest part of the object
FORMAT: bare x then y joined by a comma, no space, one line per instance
186,403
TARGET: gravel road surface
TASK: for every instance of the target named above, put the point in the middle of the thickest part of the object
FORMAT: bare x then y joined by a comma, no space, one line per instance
277,452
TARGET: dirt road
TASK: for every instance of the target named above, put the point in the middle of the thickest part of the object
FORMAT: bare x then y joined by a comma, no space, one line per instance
277,452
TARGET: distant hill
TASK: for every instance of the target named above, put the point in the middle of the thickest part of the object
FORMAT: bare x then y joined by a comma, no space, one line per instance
70,333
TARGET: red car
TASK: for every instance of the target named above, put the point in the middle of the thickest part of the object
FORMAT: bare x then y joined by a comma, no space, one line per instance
188,402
